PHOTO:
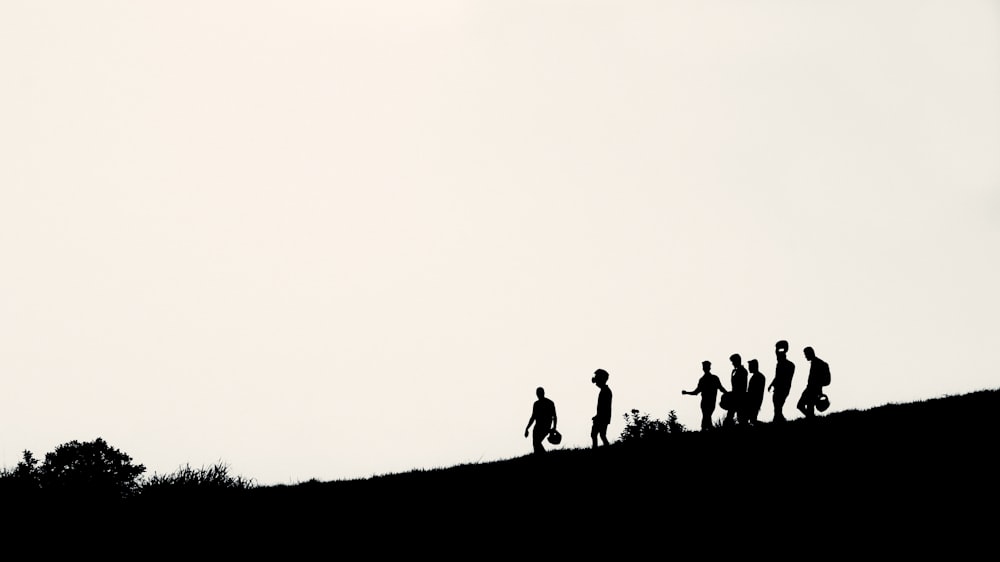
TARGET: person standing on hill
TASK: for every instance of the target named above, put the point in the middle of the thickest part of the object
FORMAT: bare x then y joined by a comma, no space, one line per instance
782,381
708,387
603,417
819,376
543,415
755,393
737,402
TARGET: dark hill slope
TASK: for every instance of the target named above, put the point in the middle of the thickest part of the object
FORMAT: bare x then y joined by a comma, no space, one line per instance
909,471
900,479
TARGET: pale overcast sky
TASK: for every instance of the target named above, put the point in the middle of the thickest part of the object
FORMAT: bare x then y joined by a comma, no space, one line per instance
336,239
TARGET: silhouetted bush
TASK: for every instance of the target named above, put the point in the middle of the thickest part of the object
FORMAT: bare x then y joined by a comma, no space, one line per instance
93,469
22,480
640,425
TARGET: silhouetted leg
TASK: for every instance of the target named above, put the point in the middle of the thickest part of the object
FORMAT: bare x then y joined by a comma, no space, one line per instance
805,404
706,416
779,404
737,411
536,439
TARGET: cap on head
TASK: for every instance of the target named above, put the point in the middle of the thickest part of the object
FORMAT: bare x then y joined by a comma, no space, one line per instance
706,364
600,375
782,346
753,364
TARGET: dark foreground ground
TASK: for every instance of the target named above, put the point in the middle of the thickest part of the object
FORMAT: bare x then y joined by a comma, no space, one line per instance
906,479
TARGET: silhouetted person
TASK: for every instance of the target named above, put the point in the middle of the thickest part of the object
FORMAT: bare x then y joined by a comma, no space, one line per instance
755,392
738,400
819,376
782,381
603,417
543,415
709,386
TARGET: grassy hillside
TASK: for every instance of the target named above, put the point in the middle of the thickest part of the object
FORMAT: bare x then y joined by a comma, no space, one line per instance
900,477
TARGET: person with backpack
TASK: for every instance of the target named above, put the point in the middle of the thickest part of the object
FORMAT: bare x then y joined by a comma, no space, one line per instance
819,377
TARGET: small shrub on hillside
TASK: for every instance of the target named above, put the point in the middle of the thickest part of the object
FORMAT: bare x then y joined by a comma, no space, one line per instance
22,479
640,425
186,479
27,468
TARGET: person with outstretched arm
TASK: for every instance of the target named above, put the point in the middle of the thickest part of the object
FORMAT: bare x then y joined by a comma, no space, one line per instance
709,386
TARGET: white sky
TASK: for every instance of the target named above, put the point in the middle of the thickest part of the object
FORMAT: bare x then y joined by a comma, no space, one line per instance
335,239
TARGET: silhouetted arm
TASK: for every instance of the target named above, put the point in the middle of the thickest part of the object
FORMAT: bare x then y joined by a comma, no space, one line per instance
554,418
697,389
531,420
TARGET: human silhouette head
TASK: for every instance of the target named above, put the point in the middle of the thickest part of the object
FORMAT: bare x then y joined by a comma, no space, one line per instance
809,353
781,348
752,365
540,392
600,377
736,359
706,366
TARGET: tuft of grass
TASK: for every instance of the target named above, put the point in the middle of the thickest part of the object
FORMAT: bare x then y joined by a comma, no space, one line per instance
203,479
